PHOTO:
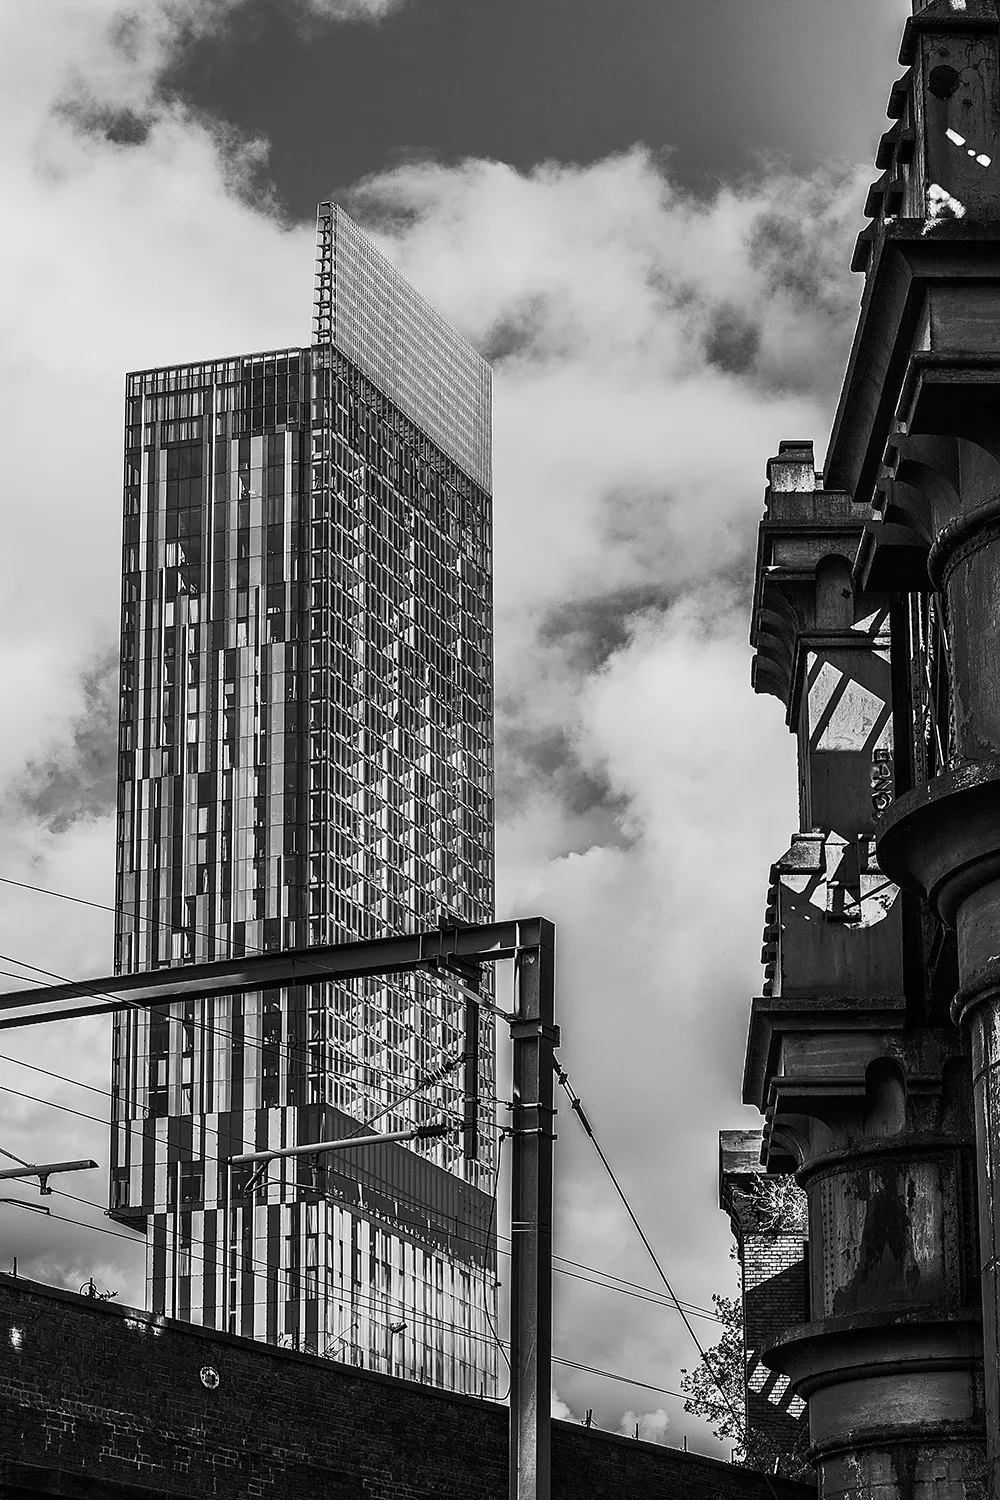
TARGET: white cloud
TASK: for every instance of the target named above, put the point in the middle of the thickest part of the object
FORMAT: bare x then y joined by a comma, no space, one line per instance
657,346
651,350
115,256
560,1411
652,1425
111,53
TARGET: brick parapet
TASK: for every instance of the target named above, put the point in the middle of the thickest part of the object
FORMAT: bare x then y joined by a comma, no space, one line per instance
105,1401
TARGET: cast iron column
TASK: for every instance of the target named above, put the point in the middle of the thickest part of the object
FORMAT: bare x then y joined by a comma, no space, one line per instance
944,839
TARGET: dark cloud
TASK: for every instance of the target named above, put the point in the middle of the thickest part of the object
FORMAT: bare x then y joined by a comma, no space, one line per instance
513,334
800,245
575,638
79,780
590,630
532,80
787,243
122,127
732,340
533,760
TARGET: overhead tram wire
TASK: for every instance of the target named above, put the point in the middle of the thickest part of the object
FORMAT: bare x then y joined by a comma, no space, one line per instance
625,1287
369,1179
134,1127
261,1270
76,1083
118,910
563,1079
266,1269
215,1031
740,1421
611,1375
369,1301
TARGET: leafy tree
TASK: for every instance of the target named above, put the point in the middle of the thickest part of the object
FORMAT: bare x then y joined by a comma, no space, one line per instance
723,1409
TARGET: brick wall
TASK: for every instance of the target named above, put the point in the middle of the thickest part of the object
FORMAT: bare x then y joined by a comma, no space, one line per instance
775,1298
101,1401
768,1221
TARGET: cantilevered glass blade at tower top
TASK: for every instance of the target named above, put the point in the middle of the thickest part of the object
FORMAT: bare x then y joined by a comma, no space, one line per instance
367,311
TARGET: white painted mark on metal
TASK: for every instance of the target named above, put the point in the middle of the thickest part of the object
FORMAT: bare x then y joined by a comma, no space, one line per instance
977,156
852,717
942,205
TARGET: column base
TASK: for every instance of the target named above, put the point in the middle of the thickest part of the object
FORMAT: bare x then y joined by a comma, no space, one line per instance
896,1409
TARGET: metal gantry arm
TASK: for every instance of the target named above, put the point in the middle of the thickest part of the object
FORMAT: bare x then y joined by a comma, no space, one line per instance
489,943
43,1170
344,1143
459,952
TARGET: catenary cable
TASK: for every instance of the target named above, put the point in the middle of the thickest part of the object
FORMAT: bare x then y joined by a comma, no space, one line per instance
290,1050
473,1240
369,1300
628,1289
737,1417
428,1317
259,1270
266,1268
215,1031
625,1287
564,1081
148,1131
211,1029
424,1082
611,1375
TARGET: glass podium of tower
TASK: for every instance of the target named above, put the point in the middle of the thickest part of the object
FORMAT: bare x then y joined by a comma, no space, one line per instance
305,757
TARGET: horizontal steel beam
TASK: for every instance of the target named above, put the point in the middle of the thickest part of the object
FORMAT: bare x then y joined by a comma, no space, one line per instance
488,943
46,1168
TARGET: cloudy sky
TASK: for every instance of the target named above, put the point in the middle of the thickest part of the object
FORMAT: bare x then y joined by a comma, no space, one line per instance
643,213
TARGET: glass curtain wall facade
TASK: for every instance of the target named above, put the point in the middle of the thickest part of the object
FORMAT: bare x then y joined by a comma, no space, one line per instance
305,758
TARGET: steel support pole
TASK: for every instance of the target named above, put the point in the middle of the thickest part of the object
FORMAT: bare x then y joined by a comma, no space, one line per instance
534,1037
227,1231
470,1080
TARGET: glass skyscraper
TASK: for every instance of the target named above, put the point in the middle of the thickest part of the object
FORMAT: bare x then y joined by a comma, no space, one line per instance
306,757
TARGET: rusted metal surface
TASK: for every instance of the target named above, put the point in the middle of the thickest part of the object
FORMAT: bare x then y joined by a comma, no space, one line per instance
889,1112
872,1110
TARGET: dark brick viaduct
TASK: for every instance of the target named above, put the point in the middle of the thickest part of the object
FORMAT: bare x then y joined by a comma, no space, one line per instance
102,1401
